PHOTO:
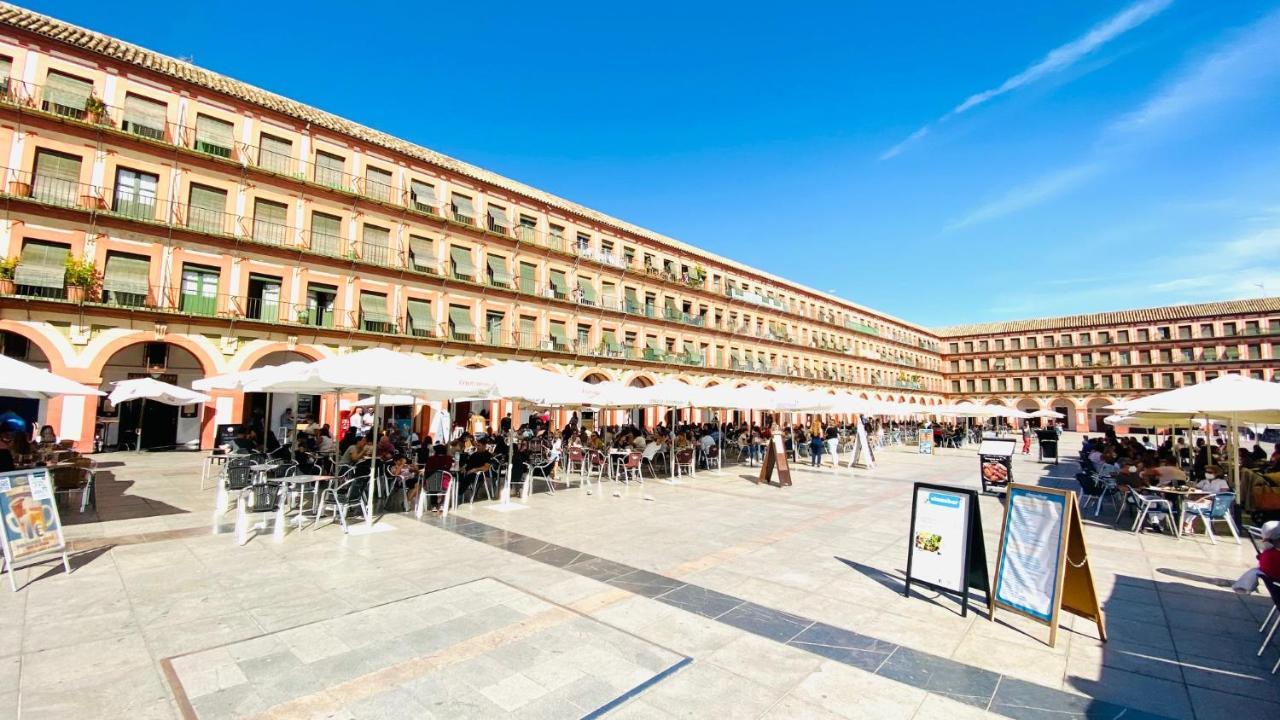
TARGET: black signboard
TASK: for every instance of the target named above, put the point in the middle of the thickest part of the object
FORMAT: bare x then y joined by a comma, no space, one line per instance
1048,442
995,463
945,550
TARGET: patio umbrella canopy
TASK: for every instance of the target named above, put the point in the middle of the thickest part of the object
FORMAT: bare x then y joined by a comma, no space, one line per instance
18,379
239,380
1229,397
154,390
1051,414
376,370
529,383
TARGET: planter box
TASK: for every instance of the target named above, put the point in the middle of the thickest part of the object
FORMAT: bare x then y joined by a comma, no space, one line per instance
19,188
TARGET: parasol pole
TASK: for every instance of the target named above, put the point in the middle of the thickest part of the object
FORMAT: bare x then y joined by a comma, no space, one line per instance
142,410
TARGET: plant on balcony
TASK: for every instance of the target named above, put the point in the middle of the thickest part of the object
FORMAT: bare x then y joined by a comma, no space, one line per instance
80,276
7,268
95,108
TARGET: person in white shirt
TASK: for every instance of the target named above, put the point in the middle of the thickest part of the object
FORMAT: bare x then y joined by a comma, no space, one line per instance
357,421
1210,484
706,442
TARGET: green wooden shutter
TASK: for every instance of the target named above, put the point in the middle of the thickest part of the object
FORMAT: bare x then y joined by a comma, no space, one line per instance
144,116
498,218
275,154
66,95
214,136
57,178
42,264
199,290
326,234
135,194
373,309
423,196
375,245
207,209
498,273
528,278
421,254
460,325
609,340
633,303
528,331
270,222
330,170
559,338
126,278
420,320
462,206
559,284
462,265
588,290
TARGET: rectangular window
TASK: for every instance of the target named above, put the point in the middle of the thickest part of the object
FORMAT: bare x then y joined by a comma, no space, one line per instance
275,154
126,280
559,336
1252,327
326,234
1031,343
1228,329
378,184
528,278
1255,352
493,327
56,178
145,117
463,211
270,222
1122,336
1188,378
460,325
6,67
330,170
42,269
135,194
67,95
499,275
498,220
555,238
320,305
1148,381
213,136
1184,332
1206,330
206,211
199,290
587,291
422,254
373,312
418,318
1033,384
463,268
375,245
528,229
528,335
559,285
263,301
423,197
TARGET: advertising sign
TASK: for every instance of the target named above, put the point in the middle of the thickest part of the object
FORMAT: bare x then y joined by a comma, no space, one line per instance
946,550
924,442
1043,564
29,516
859,445
995,462
775,458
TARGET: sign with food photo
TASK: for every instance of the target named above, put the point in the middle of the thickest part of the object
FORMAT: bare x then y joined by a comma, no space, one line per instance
28,514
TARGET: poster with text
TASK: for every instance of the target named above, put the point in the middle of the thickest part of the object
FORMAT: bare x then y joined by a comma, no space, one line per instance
939,538
1027,577
28,514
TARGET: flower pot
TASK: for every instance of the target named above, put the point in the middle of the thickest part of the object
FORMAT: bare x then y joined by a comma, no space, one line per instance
76,294
19,188
7,286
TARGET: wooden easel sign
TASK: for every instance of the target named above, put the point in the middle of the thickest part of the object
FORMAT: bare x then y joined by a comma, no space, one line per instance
1043,564
29,515
775,458
945,551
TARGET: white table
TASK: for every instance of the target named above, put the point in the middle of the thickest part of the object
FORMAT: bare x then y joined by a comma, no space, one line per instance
293,481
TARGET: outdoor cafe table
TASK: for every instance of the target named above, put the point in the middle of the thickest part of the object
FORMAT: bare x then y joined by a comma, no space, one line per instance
1178,497
296,481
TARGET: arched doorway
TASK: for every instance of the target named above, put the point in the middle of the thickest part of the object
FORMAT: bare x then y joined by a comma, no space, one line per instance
1095,410
1068,411
20,347
642,417
267,410
162,426
1029,406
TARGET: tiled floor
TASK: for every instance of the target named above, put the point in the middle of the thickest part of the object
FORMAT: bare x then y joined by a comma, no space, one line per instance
788,601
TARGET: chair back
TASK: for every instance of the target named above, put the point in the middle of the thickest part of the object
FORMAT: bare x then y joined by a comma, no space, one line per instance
713,452
438,481
651,451
576,454
355,488
633,461
684,456
1273,587
1222,505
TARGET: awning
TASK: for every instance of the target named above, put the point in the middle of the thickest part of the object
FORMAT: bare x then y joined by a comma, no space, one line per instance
419,312
558,282
652,344
462,264
633,304
498,270
558,335
423,194
528,277
127,274
609,340
67,91
462,205
42,265
460,321
145,112
421,254
587,289
498,216
373,308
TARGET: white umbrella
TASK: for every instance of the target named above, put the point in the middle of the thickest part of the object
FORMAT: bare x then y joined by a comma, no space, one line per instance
1051,414
529,383
238,380
145,389
18,379
612,394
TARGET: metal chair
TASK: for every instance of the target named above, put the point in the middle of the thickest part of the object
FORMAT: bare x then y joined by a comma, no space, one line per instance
1219,510
575,460
438,484
344,496
684,461
1144,507
712,457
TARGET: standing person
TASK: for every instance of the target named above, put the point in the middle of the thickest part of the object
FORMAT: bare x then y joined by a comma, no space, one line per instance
356,421
816,445
1026,439
286,425
833,444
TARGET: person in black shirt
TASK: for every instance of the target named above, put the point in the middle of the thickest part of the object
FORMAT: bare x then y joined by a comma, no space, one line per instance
473,469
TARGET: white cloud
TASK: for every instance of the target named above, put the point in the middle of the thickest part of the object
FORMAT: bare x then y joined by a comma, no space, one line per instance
1020,198
1057,60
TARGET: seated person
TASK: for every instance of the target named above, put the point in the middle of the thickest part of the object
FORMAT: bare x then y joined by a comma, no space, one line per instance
1166,473
357,451
47,437
477,463
1269,558
407,473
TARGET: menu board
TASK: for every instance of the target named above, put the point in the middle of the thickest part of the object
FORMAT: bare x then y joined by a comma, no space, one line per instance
29,516
775,458
924,442
946,550
1027,576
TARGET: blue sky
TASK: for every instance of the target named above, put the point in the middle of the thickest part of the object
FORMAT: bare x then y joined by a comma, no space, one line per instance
943,162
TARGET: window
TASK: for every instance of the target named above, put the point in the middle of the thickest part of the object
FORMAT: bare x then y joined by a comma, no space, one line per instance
378,184
1206,330
330,170
460,325
1015,344
326,234
555,238
1162,333
955,386
1166,356
270,222
1051,383
999,344
1144,335
56,178
199,290
144,116
1187,355
462,209
1086,338
584,338
206,210
418,318
135,194
375,245
1017,384
1124,357
1255,352
982,346
528,229
422,254
954,348
559,285
275,154
1228,329
373,312
587,291
528,278
1166,380
1252,327
6,67
1031,343
1188,378
1148,381
423,196
263,300
320,302
968,346
1033,384
493,327
498,273
498,220
213,136
42,269
462,267
67,95
559,336
528,335
1122,336
126,280
1184,332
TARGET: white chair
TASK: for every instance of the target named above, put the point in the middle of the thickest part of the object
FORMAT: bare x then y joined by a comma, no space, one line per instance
650,452
1145,507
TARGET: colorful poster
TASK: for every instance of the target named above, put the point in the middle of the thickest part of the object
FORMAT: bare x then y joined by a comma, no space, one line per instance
939,537
28,513
1027,578
924,442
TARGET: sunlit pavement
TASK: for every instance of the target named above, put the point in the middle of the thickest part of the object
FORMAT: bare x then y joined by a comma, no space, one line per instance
717,596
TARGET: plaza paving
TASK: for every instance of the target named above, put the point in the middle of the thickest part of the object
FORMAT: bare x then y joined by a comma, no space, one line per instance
716,597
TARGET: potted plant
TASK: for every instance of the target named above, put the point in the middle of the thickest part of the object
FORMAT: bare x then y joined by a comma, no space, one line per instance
80,277
7,268
95,108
